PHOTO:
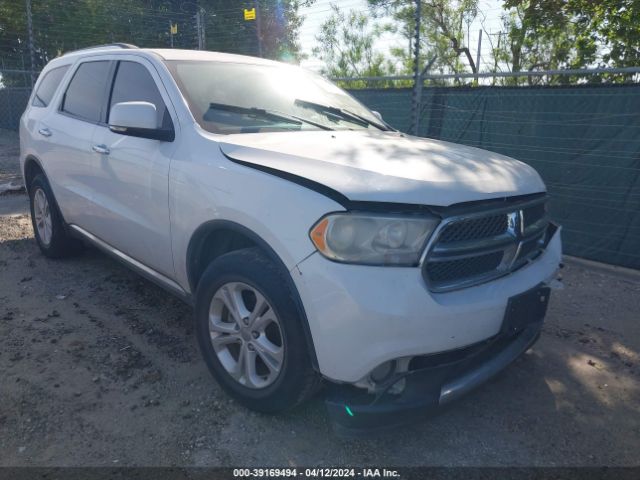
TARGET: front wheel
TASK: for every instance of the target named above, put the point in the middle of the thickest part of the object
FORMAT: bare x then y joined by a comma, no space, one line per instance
250,333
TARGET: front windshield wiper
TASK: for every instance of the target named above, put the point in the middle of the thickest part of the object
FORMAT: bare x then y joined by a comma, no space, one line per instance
341,113
261,112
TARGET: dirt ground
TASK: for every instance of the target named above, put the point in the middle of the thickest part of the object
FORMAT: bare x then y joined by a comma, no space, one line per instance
9,151
99,367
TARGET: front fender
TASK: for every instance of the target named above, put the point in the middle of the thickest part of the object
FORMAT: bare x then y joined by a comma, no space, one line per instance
212,188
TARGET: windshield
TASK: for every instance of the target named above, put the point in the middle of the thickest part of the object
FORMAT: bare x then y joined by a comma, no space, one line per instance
243,98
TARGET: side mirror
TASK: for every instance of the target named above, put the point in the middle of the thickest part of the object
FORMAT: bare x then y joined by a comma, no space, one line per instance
377,115
138,119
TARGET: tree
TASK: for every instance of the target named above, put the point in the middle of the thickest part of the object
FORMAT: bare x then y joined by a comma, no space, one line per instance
556,34
60,26
607,31
539,35
280,22
444,25
347,46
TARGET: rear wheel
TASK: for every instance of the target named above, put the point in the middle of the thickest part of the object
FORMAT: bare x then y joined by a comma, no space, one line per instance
48,226
250,333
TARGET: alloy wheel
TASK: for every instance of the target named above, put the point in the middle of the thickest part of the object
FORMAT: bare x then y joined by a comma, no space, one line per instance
246,335
42,213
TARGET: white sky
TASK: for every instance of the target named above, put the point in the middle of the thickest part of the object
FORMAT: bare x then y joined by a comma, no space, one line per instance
316,14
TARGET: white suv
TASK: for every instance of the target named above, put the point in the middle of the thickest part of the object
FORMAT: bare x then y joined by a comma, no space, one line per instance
314,241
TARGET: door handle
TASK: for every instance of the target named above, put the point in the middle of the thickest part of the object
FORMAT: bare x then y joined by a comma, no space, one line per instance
45,132
102,149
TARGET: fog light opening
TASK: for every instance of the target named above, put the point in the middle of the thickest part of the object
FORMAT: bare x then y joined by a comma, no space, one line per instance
383,372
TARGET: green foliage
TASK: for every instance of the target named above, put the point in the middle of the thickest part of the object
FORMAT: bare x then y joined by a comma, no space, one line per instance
280,22
346,46
444,24
607,31
536,35
63,25
557,34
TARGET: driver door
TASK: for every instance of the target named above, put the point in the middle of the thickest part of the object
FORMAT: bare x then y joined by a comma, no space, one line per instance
132,174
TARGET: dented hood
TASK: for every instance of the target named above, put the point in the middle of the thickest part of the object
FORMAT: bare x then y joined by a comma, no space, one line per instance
387,166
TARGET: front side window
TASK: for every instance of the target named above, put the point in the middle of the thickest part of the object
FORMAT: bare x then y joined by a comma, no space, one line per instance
134,83
85,95
227,98
48,86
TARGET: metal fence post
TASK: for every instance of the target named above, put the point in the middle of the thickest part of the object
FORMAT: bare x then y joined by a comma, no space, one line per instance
417,77
258,27
478,53
32,52
203,29
200,28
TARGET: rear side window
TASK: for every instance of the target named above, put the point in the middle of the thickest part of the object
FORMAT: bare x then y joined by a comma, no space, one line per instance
48,86
134,83
86,92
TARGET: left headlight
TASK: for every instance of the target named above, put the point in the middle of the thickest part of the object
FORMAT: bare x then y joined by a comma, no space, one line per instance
373,239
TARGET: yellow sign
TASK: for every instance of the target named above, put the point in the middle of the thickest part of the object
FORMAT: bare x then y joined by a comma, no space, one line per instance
174,29
249,14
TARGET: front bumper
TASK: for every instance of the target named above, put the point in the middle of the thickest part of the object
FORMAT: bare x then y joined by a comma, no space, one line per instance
426,389
362,316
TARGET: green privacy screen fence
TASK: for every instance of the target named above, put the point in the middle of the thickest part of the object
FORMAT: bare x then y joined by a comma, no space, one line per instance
583,140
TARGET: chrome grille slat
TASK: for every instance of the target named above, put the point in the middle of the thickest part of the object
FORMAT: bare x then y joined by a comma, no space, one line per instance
472,249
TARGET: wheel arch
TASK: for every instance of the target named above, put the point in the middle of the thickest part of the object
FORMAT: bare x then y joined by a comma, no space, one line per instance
217,237
32,167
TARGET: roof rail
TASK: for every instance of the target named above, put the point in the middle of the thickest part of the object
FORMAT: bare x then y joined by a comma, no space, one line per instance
105,46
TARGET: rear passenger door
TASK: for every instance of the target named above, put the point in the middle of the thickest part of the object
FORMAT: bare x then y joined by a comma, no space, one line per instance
132,173
39,113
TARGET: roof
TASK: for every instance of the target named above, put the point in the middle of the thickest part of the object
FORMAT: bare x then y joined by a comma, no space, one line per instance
177,54
172,54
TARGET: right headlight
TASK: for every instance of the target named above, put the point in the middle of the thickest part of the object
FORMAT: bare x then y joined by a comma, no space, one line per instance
373,239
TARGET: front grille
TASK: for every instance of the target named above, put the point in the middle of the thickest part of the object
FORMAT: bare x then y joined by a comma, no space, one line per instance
473,249
447,271
474,229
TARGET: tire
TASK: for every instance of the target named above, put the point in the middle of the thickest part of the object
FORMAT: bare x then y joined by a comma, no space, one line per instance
50,231
243,275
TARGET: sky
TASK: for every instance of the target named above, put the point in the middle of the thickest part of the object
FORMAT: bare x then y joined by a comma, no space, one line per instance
317,13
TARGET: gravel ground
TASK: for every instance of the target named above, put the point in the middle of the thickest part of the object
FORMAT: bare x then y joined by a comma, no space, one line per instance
9,151
100,368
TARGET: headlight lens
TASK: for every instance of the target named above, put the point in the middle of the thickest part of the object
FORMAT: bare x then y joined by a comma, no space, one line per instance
373,239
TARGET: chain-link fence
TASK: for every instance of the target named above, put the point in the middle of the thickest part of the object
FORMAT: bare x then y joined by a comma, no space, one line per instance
34,32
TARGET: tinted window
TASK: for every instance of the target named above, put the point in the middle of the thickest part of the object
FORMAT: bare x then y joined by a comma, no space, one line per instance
48,86
134,84
84,97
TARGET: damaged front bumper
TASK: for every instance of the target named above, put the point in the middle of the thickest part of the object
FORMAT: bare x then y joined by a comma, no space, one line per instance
434,381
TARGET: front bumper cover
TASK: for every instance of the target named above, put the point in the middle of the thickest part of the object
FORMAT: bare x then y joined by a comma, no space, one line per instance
453,374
